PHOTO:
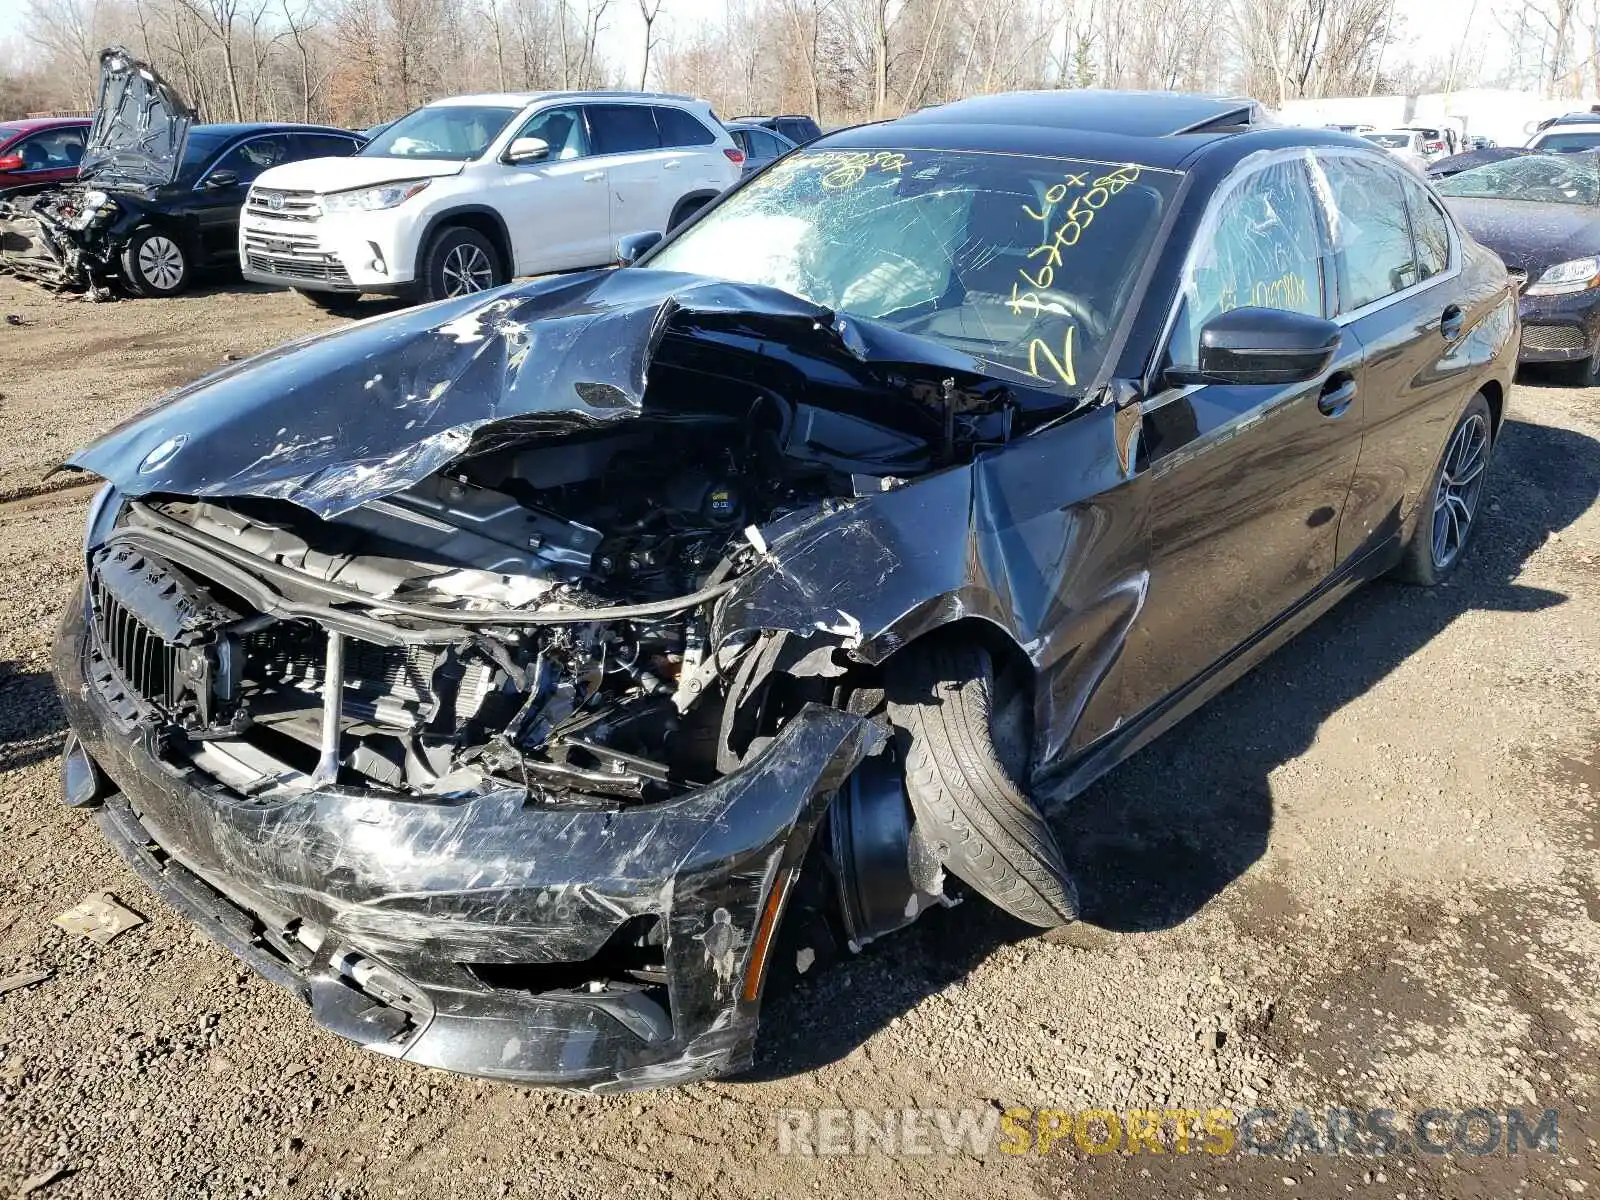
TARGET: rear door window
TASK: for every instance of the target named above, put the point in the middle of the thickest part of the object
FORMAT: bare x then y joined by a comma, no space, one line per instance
1430,229
1261,245
678,128
1373,230
623,128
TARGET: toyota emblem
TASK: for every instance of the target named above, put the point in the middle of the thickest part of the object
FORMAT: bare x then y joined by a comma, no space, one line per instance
275,201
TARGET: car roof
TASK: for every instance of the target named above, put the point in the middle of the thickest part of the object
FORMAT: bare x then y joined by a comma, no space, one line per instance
1157,129
228,129
34,124
1563,125
523,99
1137,114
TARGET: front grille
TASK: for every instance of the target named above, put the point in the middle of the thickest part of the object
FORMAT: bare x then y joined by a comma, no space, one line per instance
329,271
147,664
283,205
1552,337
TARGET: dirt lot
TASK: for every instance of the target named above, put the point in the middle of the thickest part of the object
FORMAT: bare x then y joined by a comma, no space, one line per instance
1365,877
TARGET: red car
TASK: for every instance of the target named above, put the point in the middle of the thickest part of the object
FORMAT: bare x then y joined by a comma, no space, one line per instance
41,151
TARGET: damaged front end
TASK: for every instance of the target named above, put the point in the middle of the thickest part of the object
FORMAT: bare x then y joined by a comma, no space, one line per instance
72,237
61,238
418,696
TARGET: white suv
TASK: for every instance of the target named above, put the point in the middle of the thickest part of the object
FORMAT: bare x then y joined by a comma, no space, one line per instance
465,193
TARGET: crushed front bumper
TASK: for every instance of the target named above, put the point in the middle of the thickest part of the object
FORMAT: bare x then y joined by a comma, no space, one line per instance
387,915
29,251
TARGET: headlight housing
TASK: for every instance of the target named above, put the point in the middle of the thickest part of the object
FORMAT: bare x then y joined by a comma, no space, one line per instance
1563,279
371,199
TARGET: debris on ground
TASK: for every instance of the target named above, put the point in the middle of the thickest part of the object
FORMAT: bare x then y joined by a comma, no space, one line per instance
99,918
37,1183
22,979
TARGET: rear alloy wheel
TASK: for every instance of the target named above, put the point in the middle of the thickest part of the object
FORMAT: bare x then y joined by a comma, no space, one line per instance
964,752
460,262
1450,509
154,264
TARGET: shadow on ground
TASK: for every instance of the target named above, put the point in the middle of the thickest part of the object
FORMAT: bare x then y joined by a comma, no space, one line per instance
1155,840
32,726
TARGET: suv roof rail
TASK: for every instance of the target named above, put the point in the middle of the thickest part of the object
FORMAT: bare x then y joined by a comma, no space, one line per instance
627,92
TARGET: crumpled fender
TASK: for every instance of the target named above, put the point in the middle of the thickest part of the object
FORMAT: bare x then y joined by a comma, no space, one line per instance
1045,540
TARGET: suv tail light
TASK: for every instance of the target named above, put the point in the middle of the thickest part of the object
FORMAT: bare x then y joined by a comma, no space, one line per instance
735,155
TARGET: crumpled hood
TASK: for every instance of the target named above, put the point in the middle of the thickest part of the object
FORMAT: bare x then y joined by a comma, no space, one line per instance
326,175
140,126
337,420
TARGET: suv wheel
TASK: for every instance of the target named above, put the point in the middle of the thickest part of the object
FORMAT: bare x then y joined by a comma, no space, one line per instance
460,261
154,264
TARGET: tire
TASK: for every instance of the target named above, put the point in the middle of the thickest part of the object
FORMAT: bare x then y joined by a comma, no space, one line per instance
154,263
942,703
1440,538
333,302
459,261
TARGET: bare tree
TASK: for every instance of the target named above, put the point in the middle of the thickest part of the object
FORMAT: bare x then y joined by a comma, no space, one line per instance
648,12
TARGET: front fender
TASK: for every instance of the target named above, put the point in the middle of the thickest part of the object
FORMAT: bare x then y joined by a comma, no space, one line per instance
1044,539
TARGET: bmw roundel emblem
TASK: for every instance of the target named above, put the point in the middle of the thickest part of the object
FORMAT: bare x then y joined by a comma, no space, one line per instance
162,454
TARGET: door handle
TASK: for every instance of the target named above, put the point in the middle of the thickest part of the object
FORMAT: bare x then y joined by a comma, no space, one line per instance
672,164
1450,323
1337,394
591,176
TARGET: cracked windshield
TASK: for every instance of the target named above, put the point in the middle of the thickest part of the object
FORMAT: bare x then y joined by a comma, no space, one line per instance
1023,263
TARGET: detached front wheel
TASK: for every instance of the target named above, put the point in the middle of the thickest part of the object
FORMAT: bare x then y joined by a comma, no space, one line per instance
154,264
964,748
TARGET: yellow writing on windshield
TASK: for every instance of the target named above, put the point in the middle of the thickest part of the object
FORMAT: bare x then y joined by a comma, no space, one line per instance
1057,235
848,168
1061,364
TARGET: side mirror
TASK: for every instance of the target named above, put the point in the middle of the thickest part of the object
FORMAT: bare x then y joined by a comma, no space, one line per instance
525,150
631,247
11,162
1261,346
222,179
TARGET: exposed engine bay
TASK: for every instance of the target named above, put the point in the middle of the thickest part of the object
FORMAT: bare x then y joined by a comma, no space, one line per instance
59,237
480,666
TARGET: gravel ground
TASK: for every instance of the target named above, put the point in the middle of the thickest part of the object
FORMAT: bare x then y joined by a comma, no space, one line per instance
1364,877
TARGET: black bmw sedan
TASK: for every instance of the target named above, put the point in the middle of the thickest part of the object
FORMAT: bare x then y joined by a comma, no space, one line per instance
533,680
1541,214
